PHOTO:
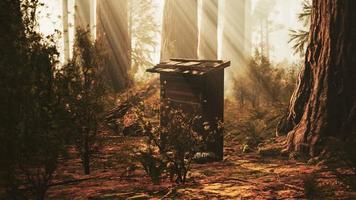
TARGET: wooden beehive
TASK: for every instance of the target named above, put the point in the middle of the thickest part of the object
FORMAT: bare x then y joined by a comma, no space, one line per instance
195,85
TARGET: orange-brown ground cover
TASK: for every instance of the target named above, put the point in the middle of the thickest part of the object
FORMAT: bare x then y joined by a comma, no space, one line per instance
239,176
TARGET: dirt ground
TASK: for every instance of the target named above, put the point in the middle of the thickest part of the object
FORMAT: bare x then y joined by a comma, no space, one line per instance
238,176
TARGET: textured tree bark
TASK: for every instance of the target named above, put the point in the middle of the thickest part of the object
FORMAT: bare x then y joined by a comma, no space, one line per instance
208,45
180,29
113,33
323,105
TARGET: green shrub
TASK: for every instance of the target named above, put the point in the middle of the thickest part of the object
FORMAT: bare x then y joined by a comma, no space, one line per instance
86,95
33,136
174,145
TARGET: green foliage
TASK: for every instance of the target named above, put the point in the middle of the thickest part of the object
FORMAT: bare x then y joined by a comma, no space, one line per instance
299,38
32,137
264,84
263,93
305,15
257,124
172,146
85,95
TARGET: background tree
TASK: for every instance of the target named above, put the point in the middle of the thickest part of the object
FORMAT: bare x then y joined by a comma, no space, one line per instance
113,34
323,104
82,14
86,95
208,46
144,28
180,29
233,38
264,84
263,11
65,30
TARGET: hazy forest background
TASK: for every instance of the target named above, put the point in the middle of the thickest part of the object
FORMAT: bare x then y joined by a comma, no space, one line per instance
80,114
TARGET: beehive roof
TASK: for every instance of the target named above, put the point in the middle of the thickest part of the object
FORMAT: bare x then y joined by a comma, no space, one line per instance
189,66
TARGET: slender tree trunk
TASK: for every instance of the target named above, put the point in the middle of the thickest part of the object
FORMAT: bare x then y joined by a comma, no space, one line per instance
180,29
65,30
323,105
208,46
248,32
267,38
85,16
93,18
41,192
86,161
113,32
262,39
82,14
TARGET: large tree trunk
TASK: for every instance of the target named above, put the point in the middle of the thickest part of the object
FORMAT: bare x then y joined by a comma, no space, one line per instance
113,33
180,29
208,45
323,105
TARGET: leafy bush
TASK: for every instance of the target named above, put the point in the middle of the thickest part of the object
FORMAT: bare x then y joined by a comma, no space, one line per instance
33,136
263,84
172,147
263,93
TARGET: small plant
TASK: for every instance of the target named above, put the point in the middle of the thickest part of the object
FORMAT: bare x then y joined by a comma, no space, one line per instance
173,146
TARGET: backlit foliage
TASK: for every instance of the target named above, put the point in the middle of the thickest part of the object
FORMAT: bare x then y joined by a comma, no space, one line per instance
85,97
299,38
172,147
263,93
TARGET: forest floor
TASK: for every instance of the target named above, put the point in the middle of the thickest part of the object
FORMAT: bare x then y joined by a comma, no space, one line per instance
239,176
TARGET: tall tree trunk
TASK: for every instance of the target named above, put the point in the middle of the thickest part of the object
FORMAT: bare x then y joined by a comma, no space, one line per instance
65,30
248,32
85,15
93,18
208,45
323,105
82,14
180,29
267,38
113,33
86,157
233,41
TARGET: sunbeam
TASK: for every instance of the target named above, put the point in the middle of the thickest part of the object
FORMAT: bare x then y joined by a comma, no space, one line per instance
227,29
